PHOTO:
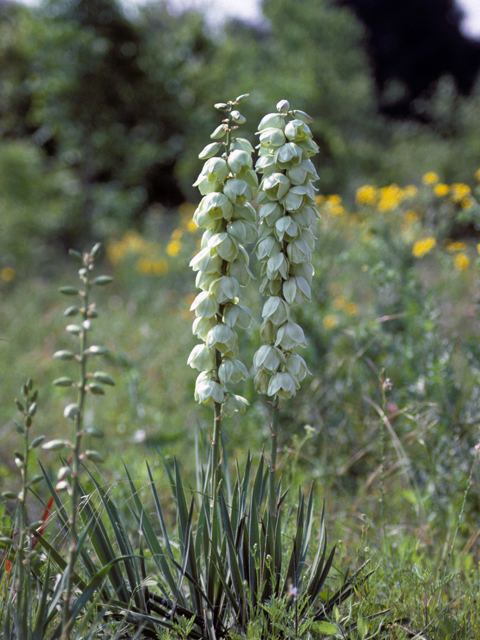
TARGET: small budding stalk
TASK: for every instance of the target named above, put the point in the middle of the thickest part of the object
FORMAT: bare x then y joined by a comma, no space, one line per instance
228,184
87,383
287,217
27,406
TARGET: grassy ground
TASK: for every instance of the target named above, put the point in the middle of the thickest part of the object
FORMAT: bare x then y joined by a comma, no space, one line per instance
385,426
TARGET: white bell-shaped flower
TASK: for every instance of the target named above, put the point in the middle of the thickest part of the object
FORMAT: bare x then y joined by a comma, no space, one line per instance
208,390
201,358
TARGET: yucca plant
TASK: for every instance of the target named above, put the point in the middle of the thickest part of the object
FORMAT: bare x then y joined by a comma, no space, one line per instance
237,551
251,564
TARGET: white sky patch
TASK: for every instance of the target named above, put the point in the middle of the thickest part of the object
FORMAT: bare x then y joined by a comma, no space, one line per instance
218,10
471,22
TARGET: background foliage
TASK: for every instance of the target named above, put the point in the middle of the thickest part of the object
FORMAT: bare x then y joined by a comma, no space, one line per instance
102,113
103,105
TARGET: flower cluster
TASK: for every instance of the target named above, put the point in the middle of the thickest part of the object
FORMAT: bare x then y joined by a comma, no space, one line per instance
287,215
228,184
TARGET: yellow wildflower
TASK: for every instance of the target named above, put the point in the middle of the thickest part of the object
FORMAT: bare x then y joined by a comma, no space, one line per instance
478,248
115,251
467,203
410,191
342,304
334,198
452,247
148,266
410,217
477,175
390,197
173,248
351,309
441,190
460,191
134,242
337,210
159,267
423,246
334,206
176,234
430,177
144,265
330,321
7,274
461,261
319,199
191,226
367,194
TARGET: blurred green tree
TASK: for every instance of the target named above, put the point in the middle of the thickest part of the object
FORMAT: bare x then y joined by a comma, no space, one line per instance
106,96
111,101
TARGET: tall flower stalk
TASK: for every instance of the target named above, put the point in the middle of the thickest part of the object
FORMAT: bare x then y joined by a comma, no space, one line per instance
87,383
228,185
27,407
287,217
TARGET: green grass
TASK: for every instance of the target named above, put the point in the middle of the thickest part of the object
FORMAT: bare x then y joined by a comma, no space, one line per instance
395,467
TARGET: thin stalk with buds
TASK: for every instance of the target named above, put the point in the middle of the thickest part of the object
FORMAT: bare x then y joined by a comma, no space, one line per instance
87,383
27,407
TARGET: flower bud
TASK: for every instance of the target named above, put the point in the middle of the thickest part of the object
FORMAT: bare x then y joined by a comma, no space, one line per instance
283,106
237,117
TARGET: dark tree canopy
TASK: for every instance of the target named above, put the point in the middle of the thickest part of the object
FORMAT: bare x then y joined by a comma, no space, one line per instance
414,43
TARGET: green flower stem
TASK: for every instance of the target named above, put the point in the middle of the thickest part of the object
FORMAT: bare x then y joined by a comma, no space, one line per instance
273,454
217,407
24,538
216,436
23,507
76,456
